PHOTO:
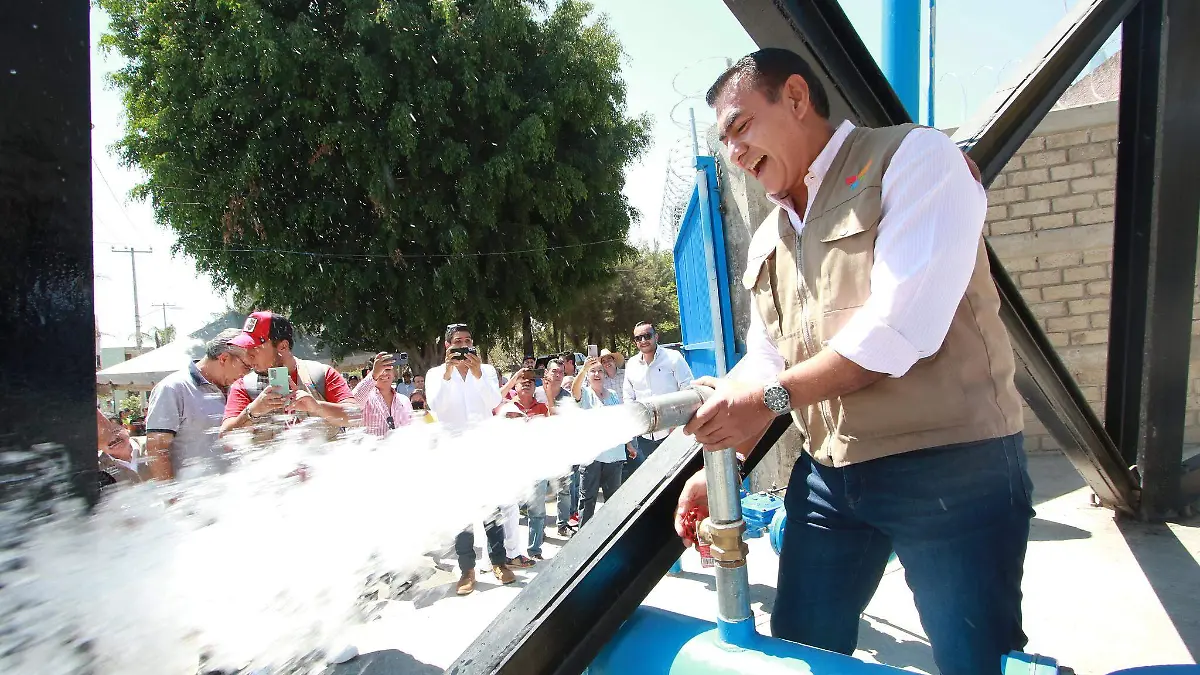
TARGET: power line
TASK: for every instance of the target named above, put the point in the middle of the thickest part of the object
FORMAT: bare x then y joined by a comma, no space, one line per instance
120,204
370,256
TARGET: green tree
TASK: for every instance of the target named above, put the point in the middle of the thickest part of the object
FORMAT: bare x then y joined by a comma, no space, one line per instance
376,168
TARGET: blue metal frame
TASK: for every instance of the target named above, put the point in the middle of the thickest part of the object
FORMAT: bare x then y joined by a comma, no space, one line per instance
699,245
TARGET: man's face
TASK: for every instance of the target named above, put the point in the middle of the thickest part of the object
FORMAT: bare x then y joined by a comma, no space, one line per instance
529,363
460,338
646,339
265,356
525,386
554,374
232,366
419,382
610,364
765,139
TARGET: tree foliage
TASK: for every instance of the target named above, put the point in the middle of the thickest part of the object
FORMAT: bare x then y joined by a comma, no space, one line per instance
378,168
604,314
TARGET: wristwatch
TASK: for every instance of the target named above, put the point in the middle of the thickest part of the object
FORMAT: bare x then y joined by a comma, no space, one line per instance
777,398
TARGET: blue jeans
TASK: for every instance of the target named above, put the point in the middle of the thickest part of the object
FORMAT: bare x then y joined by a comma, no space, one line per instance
645,447
537,517
568,496
593,478
958,519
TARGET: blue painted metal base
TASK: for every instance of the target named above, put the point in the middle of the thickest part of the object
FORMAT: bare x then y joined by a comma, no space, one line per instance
657,642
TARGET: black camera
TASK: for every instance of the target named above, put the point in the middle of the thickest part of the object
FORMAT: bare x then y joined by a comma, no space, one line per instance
402,359
460,353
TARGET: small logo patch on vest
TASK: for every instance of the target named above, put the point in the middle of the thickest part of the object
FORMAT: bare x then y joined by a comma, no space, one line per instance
852,181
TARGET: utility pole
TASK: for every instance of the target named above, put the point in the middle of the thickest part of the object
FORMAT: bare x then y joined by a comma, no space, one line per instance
165,306
137,318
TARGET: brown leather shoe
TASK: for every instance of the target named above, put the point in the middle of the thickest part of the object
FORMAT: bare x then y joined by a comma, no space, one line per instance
521,562
504,574
466,583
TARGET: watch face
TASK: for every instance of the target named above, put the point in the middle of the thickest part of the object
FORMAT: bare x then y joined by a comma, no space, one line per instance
776,398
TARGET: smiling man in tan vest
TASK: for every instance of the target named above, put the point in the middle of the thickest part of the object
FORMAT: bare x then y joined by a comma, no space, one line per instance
875,324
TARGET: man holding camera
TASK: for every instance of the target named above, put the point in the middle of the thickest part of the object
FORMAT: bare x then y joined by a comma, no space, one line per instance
463,391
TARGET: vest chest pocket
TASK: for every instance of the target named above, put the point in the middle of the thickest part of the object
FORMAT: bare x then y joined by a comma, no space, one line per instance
847,250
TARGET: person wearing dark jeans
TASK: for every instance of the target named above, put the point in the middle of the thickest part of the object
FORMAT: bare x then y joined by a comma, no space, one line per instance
891,354
567,501
464,548
605,472
958,519
593,478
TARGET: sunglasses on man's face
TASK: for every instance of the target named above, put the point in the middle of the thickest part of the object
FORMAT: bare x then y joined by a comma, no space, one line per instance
643,338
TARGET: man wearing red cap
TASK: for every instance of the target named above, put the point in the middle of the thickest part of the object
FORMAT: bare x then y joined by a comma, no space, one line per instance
316,389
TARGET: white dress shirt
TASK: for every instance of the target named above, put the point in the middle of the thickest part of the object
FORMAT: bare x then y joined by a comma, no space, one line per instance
667,372
933,211
462,401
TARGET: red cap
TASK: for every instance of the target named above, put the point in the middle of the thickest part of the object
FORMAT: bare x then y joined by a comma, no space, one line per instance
256,331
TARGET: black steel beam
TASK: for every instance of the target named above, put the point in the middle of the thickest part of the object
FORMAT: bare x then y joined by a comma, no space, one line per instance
47,329
1189,485
562,619
1157,214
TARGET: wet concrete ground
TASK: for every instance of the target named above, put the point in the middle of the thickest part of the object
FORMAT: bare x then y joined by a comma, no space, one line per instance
1100,595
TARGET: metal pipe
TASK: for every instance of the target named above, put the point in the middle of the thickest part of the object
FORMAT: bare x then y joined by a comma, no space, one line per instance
724,524
667,411
902,51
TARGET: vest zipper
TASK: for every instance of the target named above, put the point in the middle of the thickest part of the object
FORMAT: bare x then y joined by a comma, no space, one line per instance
822,406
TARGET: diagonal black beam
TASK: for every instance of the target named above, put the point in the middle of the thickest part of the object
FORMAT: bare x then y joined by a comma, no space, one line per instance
1157,213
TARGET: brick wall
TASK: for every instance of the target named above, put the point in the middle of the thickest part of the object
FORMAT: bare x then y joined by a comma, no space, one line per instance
1050,219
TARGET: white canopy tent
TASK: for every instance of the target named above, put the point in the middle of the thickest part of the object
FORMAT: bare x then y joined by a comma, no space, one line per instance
143,372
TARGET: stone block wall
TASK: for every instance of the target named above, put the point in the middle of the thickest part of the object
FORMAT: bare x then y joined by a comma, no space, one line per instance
1050,219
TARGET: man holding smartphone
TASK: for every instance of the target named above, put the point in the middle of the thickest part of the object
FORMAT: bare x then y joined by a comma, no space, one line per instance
315,390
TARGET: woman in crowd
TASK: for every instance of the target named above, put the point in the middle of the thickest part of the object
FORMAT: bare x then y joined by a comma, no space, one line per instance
614,372
605,472
383,407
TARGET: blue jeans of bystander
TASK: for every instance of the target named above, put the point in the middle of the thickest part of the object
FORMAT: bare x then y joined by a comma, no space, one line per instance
537,517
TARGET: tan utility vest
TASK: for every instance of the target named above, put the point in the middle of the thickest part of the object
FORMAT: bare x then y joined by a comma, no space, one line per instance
807,290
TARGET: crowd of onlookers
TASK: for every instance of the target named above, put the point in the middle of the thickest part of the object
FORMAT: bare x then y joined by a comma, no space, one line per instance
248,379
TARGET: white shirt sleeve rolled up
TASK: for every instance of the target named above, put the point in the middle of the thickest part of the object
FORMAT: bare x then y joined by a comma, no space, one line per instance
933,212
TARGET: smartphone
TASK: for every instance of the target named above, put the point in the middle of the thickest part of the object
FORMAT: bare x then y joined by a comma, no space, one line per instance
460,353
278,378
402,359
593,351
537,373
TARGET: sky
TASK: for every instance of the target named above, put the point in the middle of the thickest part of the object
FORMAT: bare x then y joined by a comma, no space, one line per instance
674,50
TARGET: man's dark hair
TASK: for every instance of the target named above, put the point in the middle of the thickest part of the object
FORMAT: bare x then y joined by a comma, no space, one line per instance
456,328
768,69
555,362
281,329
